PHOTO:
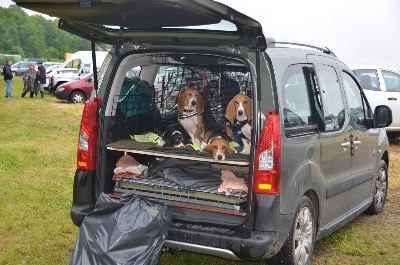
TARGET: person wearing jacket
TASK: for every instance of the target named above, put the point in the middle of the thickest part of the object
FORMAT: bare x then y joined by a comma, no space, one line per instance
29,81
41,78
8,76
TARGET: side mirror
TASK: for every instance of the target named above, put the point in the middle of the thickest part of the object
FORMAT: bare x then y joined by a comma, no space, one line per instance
90,80
382,116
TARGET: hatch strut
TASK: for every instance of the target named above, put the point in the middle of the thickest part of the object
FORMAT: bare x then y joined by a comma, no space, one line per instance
258,73
94,64
259,40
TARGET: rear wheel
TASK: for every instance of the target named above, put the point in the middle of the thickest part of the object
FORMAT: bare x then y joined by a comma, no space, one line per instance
380,190
299,245
78,97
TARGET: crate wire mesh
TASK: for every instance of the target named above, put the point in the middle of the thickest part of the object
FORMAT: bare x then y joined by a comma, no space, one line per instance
155,186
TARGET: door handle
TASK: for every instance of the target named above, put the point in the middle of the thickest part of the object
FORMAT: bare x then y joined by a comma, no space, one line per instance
392,98
345,144
356,143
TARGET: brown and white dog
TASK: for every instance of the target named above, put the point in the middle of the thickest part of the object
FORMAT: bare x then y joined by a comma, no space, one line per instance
190,109
239,113
216,140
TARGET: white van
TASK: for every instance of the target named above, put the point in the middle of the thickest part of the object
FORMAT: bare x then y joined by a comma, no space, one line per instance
74,65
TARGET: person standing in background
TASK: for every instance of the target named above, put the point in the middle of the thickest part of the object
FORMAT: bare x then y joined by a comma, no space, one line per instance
41,78
8,76
29,81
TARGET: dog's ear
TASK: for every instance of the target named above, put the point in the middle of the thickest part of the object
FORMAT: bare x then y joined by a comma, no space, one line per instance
207,149
249,108
229,132
230,112
182,102
199,104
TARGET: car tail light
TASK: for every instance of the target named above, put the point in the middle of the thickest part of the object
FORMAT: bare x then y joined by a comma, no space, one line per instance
267,168
87,144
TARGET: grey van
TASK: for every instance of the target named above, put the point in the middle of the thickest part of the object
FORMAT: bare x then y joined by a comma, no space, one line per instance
319,154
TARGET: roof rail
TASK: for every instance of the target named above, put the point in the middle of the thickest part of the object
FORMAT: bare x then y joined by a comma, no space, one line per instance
271,43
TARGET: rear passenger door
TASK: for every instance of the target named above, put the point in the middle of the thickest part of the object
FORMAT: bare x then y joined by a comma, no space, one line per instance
363,153
335,161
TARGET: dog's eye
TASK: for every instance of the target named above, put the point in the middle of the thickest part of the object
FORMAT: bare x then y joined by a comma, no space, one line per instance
223,147
236,103
215,147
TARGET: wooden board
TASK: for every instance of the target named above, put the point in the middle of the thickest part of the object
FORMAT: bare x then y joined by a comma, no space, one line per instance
131,146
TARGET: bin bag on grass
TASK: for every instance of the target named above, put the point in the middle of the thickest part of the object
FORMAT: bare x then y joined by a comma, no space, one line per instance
127,231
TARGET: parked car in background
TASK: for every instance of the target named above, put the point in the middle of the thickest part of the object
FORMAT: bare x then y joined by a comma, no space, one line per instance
20,68
50,64
77,91
49,75
60,76
382,87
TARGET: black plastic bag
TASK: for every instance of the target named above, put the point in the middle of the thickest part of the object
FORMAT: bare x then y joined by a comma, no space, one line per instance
127,231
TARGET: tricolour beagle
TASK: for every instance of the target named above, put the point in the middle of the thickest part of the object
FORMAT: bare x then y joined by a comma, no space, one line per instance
239,113
175,136
190,109
216,140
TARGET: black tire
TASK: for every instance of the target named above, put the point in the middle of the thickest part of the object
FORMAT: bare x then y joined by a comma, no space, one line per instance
77,97
380,190
299,245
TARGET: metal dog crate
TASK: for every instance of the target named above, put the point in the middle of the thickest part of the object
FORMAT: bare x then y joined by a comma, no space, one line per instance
216,84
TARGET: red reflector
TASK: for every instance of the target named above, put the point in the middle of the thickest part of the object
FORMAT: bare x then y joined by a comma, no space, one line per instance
267,173
87,142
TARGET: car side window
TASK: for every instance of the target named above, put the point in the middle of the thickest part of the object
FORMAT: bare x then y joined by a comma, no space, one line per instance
392,81
332,98
356,102
368,79
296,98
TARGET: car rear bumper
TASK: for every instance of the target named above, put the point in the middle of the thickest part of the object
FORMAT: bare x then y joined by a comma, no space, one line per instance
221,242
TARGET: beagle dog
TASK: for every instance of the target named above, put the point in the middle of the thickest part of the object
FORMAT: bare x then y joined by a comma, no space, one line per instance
239,113
174,136
216,140
190,110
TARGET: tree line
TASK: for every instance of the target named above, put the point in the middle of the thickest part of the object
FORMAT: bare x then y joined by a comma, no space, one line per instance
36,37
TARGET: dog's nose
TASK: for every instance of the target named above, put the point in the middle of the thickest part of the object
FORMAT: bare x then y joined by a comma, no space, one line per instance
193,103
240,112
219,157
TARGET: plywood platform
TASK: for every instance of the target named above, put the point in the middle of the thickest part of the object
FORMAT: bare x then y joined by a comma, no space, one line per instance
187,153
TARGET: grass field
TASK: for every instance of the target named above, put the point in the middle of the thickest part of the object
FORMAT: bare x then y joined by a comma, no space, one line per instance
38,139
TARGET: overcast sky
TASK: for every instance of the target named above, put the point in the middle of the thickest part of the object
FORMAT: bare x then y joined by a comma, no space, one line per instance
357,31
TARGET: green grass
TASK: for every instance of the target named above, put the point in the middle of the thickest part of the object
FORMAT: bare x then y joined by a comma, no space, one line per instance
38,139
